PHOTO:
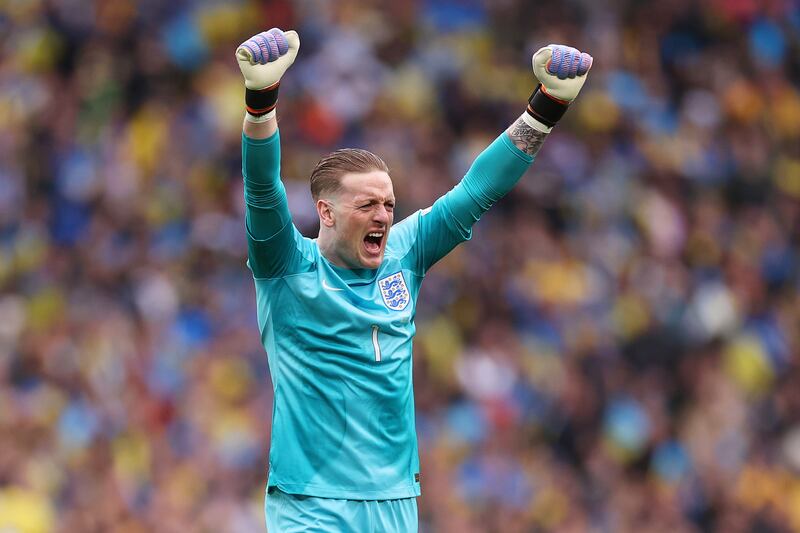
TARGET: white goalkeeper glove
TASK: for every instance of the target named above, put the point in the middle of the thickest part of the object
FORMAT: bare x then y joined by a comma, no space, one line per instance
263,59
561,71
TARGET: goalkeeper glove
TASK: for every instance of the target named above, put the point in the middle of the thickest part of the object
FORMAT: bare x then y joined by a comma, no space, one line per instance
561,71
263,59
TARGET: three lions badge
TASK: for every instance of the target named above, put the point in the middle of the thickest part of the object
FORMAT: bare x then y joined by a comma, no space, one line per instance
394,291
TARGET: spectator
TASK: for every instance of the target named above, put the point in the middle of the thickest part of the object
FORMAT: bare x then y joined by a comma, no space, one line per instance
637,370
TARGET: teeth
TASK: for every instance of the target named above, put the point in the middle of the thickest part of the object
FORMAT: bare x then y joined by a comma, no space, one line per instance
376,235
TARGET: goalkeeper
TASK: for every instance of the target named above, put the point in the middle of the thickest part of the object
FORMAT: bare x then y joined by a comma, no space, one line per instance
336,313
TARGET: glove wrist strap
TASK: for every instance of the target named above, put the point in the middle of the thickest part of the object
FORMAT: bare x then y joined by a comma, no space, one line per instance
262,101
545,108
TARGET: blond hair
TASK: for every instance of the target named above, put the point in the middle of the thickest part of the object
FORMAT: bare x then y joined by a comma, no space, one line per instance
326,176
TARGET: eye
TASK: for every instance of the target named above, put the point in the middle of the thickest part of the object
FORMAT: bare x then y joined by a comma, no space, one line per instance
390,206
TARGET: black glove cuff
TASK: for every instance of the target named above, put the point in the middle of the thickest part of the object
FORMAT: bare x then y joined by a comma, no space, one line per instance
545,108
261,102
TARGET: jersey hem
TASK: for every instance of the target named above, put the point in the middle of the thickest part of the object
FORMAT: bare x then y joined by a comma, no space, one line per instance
260,142
316,491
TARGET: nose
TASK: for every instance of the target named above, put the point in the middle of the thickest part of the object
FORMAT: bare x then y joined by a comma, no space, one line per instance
381,215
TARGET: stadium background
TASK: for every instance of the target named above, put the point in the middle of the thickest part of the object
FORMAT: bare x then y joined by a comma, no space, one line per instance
616,349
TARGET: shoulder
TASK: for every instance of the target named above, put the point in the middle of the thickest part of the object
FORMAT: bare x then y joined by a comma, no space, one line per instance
403,235
296,255
307,246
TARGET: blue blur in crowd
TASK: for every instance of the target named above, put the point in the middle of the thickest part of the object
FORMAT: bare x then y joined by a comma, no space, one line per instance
616,349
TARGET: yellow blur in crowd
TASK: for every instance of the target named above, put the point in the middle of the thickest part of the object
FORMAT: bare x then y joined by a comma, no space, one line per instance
615,350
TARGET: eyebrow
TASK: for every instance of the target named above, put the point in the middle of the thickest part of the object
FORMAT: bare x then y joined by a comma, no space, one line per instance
371,199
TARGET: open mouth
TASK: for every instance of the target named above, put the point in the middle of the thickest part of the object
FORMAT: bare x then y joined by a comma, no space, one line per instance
373,242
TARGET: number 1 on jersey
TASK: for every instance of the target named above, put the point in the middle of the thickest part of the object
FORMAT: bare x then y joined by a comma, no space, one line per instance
375,344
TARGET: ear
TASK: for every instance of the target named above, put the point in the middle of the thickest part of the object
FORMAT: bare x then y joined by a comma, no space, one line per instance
325,212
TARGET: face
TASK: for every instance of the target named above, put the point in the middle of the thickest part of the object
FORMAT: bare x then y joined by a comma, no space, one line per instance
360,215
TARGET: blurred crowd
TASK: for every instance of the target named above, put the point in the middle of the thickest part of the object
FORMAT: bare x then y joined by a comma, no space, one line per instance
616,350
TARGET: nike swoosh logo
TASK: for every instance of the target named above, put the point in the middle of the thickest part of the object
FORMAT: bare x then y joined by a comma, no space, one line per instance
328,287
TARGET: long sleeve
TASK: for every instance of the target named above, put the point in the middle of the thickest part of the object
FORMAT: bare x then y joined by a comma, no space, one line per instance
493,173
274,244
267,208
432,233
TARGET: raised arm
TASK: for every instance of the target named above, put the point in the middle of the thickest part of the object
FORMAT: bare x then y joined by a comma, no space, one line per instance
561,72
263,59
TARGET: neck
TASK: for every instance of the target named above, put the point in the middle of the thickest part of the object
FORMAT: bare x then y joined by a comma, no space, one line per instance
326,242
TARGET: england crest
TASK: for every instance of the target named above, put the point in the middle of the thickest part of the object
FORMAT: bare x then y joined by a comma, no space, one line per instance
394,291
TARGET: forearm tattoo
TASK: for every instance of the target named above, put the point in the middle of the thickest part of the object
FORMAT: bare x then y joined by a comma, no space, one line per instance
527,139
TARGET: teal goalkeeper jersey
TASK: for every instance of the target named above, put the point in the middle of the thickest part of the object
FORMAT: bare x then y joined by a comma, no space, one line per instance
338,341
